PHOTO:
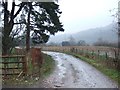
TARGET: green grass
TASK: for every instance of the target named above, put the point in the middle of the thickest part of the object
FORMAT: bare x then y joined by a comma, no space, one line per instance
112,73
48,65
46,70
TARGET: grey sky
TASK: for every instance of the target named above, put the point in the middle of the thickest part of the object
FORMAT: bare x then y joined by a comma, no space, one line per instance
80,15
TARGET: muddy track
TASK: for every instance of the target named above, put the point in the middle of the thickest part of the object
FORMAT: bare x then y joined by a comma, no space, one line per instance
71,72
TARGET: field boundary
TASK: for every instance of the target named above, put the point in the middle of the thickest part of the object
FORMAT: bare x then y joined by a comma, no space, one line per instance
13,65
107,64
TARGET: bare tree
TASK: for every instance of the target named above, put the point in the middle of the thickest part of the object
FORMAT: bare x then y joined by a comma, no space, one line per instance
39,22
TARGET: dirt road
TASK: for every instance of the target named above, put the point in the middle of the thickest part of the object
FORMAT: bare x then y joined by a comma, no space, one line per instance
71,72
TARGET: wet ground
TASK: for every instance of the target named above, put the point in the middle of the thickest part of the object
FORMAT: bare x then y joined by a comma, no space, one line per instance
71,72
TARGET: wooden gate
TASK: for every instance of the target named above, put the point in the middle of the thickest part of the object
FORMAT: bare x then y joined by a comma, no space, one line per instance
22,63
13,65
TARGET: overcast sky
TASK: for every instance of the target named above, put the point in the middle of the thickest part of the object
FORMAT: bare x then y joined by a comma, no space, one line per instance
78,15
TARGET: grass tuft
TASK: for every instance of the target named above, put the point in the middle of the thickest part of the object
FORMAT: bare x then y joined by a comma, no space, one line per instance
46,70
48,65
112,73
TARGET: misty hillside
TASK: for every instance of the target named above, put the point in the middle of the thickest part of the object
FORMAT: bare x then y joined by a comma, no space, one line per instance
107,33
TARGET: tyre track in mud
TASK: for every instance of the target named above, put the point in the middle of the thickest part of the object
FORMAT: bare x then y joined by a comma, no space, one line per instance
71,72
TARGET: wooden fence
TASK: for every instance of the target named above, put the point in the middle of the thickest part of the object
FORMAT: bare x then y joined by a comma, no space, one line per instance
13,65
97,50
108,55
21,63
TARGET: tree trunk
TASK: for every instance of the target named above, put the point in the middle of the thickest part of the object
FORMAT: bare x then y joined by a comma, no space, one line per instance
28,28
8,26
5,38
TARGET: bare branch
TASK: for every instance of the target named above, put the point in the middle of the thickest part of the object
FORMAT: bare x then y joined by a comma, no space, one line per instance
22,5
13,9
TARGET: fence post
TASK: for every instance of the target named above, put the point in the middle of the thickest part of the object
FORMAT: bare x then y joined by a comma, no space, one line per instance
86,53
24,65
115,54
98,54
106,56
76,50
82,52
92,53
115,60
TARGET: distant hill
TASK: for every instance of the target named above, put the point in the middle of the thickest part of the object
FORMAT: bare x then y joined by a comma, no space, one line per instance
107,33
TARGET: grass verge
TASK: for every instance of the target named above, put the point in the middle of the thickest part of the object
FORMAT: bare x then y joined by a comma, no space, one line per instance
46,70
112,73
48,65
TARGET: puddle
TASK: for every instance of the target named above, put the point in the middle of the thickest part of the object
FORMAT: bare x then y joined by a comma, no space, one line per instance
60,63
77,73
61,67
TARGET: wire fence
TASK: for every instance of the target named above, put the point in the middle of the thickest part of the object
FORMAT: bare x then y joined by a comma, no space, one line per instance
107,55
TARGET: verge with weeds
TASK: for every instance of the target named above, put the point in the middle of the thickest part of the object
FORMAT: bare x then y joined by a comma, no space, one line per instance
26,81
112,73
